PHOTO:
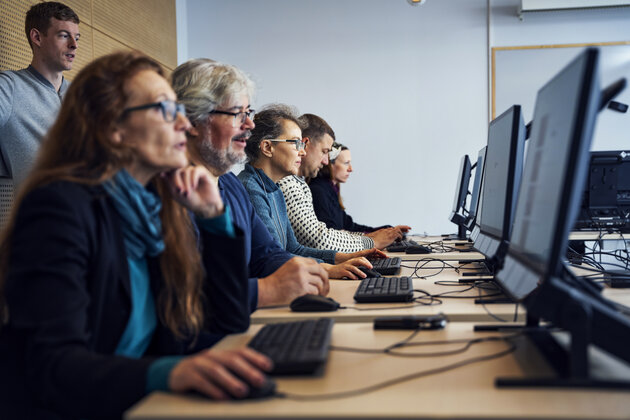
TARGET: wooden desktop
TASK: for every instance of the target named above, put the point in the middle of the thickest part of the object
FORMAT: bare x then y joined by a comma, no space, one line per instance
467,392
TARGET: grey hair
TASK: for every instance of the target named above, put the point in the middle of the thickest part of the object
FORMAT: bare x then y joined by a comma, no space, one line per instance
202,85
269,126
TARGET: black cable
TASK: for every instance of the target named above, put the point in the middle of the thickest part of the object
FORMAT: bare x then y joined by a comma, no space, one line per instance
401,379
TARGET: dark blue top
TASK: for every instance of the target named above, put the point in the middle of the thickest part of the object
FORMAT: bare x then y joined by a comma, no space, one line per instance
264,254
328,210
268,202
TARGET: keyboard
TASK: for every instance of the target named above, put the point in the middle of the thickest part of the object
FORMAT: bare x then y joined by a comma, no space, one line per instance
385,289
298,347
386,266
401,246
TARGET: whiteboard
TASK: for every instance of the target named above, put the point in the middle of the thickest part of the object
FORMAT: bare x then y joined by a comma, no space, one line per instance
518,73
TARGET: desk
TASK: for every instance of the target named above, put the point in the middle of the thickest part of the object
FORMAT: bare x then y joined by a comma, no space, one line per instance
464,393
343,291
444,256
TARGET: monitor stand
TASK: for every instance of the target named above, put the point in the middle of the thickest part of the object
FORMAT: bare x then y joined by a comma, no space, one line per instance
571,365
459,236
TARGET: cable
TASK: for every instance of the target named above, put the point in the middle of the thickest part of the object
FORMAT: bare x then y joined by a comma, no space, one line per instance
420,374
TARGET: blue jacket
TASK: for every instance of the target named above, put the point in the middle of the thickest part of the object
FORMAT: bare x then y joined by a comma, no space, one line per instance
263,254
268,202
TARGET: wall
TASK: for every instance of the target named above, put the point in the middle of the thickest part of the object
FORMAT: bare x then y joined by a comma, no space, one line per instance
406,88
402,88
106,26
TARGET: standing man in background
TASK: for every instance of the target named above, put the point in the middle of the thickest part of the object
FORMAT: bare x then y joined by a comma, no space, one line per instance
30,98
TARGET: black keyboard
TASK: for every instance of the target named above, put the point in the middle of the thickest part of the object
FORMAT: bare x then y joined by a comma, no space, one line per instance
401,246
298,347
386,266
385,289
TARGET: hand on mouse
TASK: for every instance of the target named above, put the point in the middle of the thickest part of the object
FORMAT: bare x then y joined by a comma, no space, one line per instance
367,253
348,269
296,277
210,372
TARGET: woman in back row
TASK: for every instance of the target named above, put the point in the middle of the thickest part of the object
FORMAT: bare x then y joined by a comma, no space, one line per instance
326,190
274,151
102,286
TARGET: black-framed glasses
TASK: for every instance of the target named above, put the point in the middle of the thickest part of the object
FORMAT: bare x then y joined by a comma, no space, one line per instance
245,114
169,109
299,144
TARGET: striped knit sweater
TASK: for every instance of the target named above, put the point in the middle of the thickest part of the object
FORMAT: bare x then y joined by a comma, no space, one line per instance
309,231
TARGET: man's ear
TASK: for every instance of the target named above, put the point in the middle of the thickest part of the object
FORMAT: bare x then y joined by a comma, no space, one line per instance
193,131
306,140
266,148
35,37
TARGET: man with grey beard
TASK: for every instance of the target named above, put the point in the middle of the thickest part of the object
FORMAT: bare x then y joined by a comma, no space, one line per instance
217,100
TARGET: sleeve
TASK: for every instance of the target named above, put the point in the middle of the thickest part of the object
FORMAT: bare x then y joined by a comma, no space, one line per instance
263,208
49,293
309,231
322,204
293,246
6,97
226,287
349,224
221,224
267,254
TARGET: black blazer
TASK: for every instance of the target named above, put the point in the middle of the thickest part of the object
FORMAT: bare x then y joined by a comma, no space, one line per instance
68,294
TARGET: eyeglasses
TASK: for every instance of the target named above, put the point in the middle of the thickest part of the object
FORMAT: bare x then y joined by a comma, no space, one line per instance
245,114
299,144
169,109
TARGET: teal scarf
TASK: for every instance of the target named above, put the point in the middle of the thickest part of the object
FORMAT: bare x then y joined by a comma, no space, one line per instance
140,211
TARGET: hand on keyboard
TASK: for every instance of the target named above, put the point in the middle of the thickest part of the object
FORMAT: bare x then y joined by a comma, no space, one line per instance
296,277
384,237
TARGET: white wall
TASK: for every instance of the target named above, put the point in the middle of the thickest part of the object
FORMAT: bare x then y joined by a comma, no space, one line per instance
406,88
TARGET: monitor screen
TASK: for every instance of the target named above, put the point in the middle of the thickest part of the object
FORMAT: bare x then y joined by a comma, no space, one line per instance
477,185
461,189
504,164
557,161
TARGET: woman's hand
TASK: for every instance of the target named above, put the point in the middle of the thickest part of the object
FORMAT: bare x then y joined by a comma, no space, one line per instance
367,253
197,189
212,372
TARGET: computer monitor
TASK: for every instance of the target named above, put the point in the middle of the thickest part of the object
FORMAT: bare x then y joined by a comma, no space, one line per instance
502,176
461,192
606,194
476,192
549,199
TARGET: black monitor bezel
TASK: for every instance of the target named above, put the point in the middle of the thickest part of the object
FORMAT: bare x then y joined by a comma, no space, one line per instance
515,166
475,196
459,202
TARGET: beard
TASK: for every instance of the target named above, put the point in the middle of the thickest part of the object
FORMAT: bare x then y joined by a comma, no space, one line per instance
220,160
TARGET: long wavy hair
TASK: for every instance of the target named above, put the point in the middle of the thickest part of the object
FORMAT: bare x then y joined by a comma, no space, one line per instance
78,149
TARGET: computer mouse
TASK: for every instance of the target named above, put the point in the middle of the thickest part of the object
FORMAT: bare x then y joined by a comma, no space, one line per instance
370,273
314,303
266,390
418,249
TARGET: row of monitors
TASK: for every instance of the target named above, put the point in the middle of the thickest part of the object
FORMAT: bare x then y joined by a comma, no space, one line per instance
527,206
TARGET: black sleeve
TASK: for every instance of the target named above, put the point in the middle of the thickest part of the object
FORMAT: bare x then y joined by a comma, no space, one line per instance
324,202
226,284
49,293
